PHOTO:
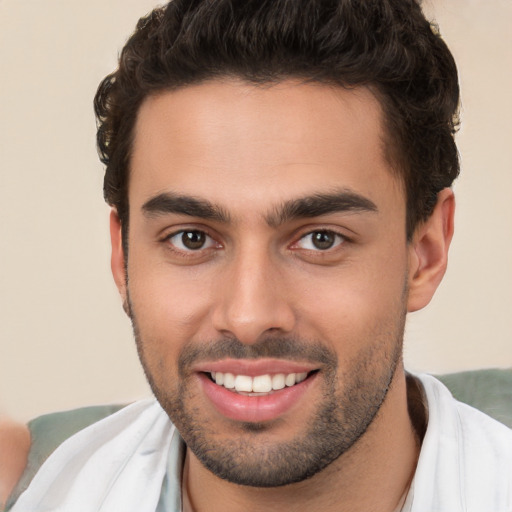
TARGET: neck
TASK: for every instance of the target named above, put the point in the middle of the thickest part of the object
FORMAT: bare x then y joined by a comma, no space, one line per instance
372,476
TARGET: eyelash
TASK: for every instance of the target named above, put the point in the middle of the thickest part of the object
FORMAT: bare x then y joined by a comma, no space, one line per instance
187,250
339,239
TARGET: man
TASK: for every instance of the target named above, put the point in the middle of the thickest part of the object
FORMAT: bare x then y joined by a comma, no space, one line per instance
279,174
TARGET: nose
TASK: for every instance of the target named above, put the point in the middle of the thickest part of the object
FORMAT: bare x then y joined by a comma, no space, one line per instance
253,300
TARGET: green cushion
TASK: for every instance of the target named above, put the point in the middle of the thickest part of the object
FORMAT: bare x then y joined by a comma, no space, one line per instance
487,390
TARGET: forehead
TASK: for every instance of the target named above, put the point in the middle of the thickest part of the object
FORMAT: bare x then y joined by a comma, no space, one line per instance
245,146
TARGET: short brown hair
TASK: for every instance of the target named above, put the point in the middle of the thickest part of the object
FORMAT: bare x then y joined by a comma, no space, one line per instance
387,45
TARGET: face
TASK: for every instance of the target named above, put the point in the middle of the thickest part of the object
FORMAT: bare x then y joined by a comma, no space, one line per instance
267,271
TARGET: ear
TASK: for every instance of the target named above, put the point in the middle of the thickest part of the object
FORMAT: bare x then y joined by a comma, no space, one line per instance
428,252
117,259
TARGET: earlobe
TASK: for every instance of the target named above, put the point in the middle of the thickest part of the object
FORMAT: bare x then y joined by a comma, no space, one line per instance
428,253
117,260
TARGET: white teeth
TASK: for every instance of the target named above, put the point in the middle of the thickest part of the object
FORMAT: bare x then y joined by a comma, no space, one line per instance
229,380
300,377
278,381
242,383
260,383
290,379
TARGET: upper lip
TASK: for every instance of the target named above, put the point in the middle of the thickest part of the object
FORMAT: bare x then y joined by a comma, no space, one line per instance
254,367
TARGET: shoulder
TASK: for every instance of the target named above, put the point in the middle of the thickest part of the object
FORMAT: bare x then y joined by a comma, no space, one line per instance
14,449
486,446
466,458
462,421
40,438
489,391
77,471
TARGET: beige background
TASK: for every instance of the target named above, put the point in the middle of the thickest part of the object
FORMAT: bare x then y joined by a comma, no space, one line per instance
64,341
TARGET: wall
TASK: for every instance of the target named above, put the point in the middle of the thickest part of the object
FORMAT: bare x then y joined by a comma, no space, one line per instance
64,340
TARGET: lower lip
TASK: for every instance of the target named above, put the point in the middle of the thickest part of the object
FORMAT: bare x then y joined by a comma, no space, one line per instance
254,409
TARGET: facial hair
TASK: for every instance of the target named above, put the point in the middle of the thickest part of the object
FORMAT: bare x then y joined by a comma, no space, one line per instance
348,405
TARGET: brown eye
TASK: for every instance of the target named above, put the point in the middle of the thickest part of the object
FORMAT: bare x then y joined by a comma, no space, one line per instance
320,240
191,240
323,240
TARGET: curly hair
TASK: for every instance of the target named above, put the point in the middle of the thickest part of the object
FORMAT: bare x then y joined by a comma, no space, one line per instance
386,45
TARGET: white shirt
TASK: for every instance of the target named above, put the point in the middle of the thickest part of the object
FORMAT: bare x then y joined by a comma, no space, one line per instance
132,462
465,463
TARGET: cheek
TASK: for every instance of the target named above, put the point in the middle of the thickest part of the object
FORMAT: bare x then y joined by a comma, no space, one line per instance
356,305
169,310
167,295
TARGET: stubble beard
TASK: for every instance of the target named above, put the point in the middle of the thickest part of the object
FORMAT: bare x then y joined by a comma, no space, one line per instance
349,404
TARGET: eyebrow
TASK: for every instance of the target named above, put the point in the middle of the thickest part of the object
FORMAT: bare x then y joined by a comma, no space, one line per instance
314,205
169,202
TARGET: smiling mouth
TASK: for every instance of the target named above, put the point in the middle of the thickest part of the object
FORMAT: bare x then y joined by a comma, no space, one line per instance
258,385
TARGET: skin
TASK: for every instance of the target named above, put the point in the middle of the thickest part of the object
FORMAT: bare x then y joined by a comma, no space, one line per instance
14,448
248,150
